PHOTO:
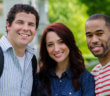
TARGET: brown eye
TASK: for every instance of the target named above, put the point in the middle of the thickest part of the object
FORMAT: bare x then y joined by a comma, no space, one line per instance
31,24
99,34
49,45
19,22
61,41
89,35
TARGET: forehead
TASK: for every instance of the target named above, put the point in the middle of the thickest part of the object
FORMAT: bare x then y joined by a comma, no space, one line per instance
24,15
93,25
52,36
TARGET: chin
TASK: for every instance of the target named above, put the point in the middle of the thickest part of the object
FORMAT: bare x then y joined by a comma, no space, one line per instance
99,55
58,61
24,44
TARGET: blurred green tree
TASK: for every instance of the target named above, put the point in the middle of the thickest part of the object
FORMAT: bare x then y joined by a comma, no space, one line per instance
97,6
1,1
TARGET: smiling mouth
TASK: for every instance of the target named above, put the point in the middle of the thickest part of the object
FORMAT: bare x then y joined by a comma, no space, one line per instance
96,49
24,35
59,55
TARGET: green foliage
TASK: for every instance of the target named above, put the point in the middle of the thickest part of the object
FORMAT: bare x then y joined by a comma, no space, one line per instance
1,1
72,13
97,6
91,64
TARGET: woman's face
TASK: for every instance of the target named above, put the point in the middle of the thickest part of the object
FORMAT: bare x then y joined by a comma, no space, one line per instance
56,48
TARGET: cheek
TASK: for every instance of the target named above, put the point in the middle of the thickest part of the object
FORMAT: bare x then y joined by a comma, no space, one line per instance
88,41
108,42
18,27
34,31
50,51
66,48
68,51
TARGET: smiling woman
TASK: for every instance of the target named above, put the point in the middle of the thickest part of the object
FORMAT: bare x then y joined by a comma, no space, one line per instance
57,50
63,72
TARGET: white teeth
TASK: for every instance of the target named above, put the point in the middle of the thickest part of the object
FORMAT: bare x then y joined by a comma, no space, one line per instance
58,54
24,35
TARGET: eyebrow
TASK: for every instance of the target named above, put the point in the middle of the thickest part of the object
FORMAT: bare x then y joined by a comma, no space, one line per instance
99,30
95,31
88,33
57,40
19,20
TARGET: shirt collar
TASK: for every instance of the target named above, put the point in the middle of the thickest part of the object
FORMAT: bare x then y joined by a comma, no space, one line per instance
103,67
30,49
67,74
7,45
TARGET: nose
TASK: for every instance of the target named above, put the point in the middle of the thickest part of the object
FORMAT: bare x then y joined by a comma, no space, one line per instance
56,48
25,27
95,39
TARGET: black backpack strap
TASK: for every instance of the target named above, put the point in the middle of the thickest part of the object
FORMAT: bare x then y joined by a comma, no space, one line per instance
34,65
34,69
1,61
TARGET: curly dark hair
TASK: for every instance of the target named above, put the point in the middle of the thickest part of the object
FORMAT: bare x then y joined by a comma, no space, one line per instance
76,60
22,8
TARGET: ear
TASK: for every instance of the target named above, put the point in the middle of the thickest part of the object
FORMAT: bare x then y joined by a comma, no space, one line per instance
7,26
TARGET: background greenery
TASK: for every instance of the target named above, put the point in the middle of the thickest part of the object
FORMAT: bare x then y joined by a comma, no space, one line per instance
74,14
1,1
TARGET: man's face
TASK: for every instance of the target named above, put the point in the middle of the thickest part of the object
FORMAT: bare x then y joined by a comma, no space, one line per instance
98,37
22,30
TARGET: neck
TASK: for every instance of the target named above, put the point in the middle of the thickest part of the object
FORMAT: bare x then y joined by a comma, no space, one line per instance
61,68
104,60
19,51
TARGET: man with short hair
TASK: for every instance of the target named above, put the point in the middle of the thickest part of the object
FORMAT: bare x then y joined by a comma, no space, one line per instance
97,29
21,24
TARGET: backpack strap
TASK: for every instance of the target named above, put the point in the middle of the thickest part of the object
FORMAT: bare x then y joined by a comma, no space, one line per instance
34,66
34,70
1,61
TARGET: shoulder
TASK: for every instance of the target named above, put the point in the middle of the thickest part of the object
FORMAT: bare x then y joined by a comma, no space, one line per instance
86,73
30,49
86,76
87,79
87,84
5,43
96,69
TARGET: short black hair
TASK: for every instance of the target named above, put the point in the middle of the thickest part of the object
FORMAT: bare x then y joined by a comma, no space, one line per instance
100,16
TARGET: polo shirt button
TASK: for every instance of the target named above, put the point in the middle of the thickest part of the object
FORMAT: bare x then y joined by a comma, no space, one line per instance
60,81
70,93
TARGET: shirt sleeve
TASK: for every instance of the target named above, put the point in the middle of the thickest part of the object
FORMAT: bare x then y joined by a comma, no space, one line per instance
87,84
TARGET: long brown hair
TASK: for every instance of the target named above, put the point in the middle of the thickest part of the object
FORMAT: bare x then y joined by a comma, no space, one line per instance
76,60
